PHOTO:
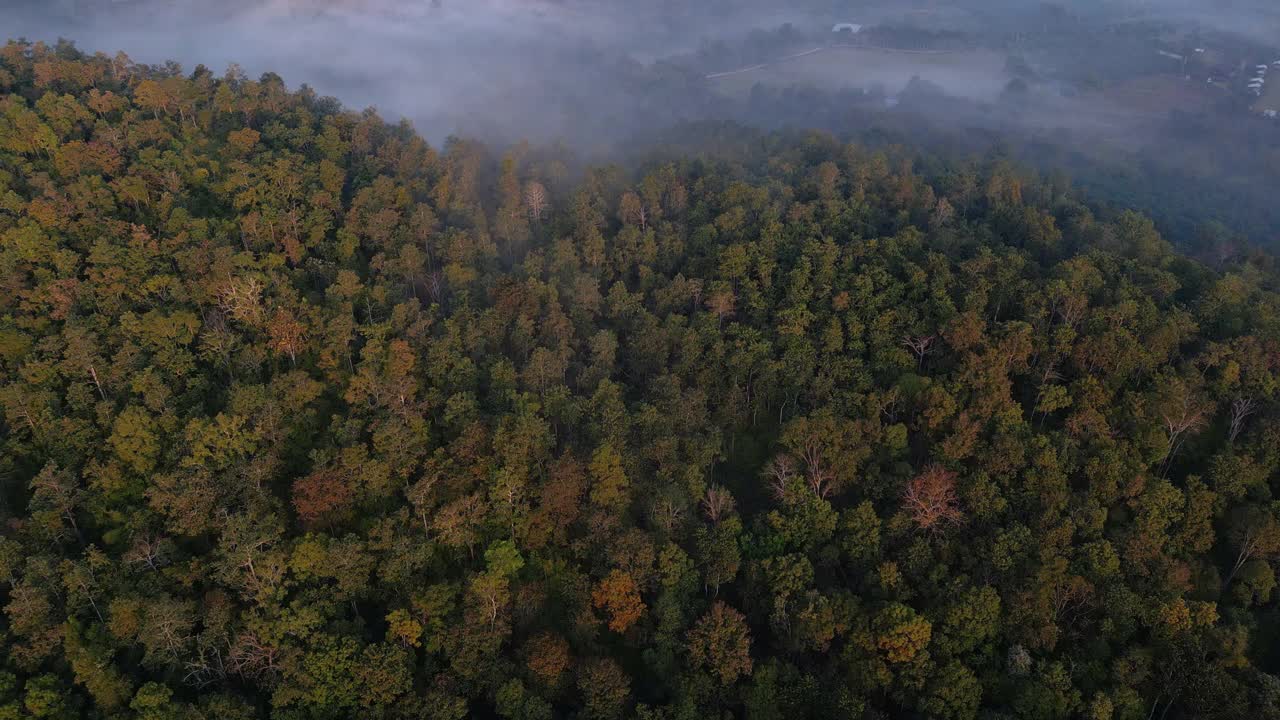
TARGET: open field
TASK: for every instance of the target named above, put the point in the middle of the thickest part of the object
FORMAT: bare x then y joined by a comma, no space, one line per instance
978,74
1270,99
1123,115
1158,95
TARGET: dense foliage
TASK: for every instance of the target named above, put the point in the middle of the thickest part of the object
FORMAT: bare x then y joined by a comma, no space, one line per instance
304,418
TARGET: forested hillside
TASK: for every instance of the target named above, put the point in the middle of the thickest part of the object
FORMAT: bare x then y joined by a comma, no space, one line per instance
305,418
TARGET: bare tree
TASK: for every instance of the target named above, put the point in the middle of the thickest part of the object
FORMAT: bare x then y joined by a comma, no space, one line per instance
920,345
206,668
435,285
886,403
94,374
168,627
717,503
779,472
150,550
241,300
1181,418
942,213
1070,597
930,498
536,200
422,497
1069,307
252,658
1050,374
818,474
56,493
695,292
1257,534
22,412
667,514
217,339
1241,409
632,211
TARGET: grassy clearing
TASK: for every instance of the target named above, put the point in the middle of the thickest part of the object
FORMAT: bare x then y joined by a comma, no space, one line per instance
973,73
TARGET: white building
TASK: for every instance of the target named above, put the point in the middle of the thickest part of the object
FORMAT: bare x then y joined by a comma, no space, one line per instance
851,28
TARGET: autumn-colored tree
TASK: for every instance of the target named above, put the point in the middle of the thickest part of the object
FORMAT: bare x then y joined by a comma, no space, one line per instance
930,499
631,210
403,628
244,140
619,596
323,497
548,657
152,96
288,335
605,688
721,643
609,484
900,633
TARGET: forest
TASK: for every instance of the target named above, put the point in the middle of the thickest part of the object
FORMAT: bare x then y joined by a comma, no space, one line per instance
304,417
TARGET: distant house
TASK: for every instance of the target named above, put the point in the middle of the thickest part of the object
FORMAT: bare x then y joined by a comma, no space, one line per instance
851,28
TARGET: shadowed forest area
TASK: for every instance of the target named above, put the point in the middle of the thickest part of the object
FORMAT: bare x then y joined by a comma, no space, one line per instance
304,416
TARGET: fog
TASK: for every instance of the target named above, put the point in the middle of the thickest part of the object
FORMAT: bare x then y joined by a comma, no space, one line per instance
497,68
1126,93
566,69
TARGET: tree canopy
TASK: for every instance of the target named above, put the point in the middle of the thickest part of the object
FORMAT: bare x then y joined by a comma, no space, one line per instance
303,417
